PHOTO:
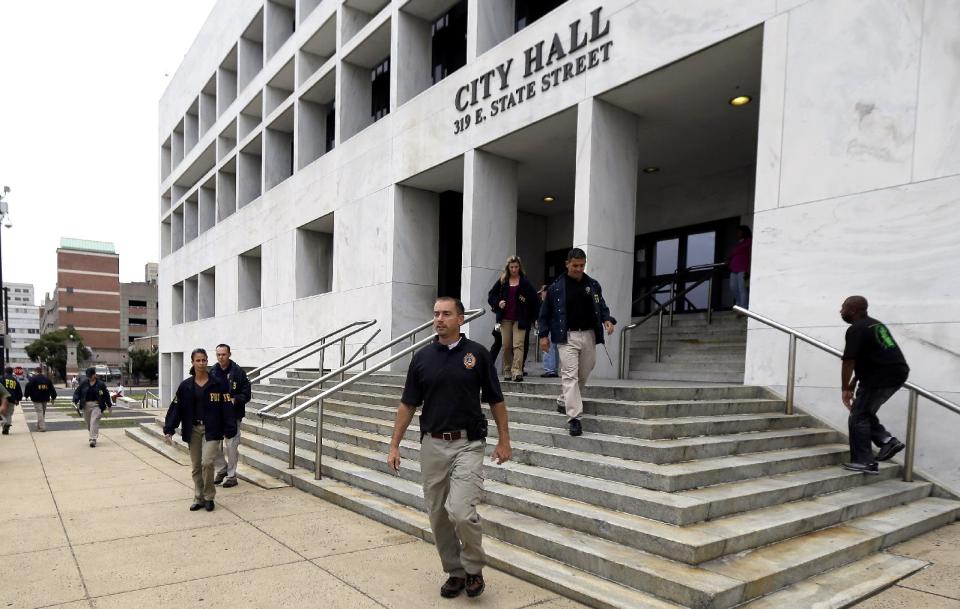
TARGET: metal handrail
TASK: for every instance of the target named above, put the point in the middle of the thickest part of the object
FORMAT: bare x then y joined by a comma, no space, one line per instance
915,390
149,396
291,414
358,326
658,311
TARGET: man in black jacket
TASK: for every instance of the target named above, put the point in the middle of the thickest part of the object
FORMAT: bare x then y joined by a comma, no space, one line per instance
40,391
235,379
12,385
93,397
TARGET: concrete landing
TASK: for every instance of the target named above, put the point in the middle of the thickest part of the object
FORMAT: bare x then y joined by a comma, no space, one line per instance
108,528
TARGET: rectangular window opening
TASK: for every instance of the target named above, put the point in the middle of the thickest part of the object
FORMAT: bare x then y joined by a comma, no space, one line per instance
314,257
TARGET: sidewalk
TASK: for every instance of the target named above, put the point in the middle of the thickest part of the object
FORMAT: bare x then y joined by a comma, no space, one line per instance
108,528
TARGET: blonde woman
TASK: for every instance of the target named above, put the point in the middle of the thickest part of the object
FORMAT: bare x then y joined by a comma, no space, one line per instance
514,300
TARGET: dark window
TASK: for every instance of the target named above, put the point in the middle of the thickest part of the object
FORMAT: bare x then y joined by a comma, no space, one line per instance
69,290
331,126
69,308
450,42
529,11
380,90
135,321
131,339
137,303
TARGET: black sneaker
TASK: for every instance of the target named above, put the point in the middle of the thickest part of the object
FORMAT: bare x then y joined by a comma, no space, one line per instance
452,587
561,408
518,379
6,430
871,469
196,505
217,479
575,428
891,448
474,585
93,443
549,375
230,482
209,505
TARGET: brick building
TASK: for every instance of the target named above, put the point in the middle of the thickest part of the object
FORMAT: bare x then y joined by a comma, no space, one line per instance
88,296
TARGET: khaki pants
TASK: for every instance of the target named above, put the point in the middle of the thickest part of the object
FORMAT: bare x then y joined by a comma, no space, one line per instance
41,409
452,473
578,356
228,455
91,416
513,339
202,454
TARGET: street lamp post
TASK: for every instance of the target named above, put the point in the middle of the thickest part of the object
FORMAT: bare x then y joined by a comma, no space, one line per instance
5,220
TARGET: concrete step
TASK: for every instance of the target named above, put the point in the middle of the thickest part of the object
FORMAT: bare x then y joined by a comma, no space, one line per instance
844,586
677,582
658,406
692,544
684,376
626,447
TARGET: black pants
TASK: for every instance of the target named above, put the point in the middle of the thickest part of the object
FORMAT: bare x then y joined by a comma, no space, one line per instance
864,426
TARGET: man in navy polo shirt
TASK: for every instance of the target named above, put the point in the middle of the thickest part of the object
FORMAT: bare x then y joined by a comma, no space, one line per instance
449,378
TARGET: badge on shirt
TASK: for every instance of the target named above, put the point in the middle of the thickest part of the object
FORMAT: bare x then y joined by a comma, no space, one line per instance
587,289
469,361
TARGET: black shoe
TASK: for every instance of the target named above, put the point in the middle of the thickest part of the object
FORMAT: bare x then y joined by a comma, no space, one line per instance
891,448
230,482
452,587
871,469
508,378
561,409
196,506
209,505
6,430
474,585
575,428
93,443
549,375
518,379
219,477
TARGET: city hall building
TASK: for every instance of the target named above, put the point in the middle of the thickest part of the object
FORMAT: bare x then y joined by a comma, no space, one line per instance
323,161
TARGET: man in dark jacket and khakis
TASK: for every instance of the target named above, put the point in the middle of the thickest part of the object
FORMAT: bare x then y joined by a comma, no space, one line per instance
91,398
235,379
574,316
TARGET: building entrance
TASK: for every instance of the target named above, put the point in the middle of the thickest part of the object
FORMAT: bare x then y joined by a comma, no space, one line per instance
668,261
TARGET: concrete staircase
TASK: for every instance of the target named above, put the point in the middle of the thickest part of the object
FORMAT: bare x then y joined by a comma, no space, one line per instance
692,350
706,497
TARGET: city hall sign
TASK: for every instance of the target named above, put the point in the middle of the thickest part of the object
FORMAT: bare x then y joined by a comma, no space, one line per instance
552,62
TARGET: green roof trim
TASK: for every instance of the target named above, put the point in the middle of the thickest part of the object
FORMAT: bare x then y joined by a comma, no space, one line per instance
87,245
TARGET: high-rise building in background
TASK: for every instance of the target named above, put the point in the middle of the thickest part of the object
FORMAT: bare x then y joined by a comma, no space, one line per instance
23,322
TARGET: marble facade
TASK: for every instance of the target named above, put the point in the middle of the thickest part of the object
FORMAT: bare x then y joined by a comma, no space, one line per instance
857,182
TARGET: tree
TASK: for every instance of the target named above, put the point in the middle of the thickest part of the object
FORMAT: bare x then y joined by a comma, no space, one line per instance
51,349
144,362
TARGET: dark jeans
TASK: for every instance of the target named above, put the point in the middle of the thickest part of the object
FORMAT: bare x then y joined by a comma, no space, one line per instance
864,426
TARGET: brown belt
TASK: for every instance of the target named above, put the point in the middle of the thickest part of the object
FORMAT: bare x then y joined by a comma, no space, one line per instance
449,436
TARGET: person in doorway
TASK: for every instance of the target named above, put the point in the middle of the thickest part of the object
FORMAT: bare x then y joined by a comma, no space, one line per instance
574,316
40,391
92,398
514,301
739,263
874,366
12,385
551,359
202,410
235,379
450,377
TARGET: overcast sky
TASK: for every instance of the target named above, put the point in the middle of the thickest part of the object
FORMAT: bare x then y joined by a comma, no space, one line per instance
79,147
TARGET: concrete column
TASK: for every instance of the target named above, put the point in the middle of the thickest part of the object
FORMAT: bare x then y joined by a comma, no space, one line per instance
489,230
605,207
488,23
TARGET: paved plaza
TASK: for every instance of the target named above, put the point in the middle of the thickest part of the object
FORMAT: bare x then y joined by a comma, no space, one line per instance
108,528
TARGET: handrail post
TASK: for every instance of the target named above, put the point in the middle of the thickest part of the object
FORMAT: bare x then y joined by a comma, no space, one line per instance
911,436
673,305
364,365
320,363
343,357
292,448
318,457
710,300
660,335
624,352
791,373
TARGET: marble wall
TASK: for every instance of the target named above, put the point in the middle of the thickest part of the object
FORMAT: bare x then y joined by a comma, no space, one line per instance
858,192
